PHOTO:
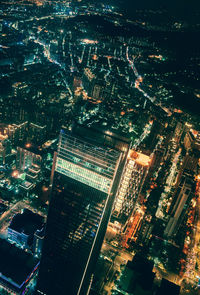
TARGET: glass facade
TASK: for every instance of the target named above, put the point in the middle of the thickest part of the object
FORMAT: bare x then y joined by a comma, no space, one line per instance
134,174
87,163
84,185
83,175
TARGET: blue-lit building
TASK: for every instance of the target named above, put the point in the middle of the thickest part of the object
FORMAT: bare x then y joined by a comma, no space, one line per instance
23,227
86,173
17,268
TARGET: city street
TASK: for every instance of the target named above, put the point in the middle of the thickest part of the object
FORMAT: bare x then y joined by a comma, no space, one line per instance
121,259
100,140
193,260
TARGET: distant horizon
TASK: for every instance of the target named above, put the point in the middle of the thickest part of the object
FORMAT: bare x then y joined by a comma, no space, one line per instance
178,7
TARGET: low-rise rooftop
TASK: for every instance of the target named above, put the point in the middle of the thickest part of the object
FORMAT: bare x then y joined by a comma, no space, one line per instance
27,222
16,265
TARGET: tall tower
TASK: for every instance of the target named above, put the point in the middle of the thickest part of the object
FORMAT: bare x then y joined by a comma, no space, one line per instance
182,199
134,174
86,173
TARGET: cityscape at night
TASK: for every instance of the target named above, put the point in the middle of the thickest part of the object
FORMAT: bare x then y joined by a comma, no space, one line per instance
99,147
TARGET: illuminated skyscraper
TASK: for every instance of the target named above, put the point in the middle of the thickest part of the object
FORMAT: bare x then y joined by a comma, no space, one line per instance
86,174
134,175
180,206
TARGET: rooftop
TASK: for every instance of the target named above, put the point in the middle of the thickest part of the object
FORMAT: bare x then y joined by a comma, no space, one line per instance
139,158
15,264
168,287
135,272
100,136
27,223
26,185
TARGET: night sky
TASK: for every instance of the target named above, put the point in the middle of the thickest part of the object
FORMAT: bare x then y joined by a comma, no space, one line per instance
184,8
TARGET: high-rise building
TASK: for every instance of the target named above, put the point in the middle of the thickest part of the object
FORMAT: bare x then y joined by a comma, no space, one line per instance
5,148
26,159
37,133
192,141
16,132
180,205
134,174
86,173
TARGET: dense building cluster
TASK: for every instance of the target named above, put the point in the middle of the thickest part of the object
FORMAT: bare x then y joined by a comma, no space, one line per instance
99,149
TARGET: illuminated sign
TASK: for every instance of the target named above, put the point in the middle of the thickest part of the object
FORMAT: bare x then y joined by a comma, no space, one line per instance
83,175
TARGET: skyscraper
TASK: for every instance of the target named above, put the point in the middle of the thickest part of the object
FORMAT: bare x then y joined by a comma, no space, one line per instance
182,200
86,174
134,174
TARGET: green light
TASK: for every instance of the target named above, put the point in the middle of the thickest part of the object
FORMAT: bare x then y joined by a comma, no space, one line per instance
22,176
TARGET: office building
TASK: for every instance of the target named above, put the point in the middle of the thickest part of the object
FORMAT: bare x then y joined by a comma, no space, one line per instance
17,132
137,277
17,268
23,227
27,159
133,177
86,173
37,133
144,232
179,206
5,148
